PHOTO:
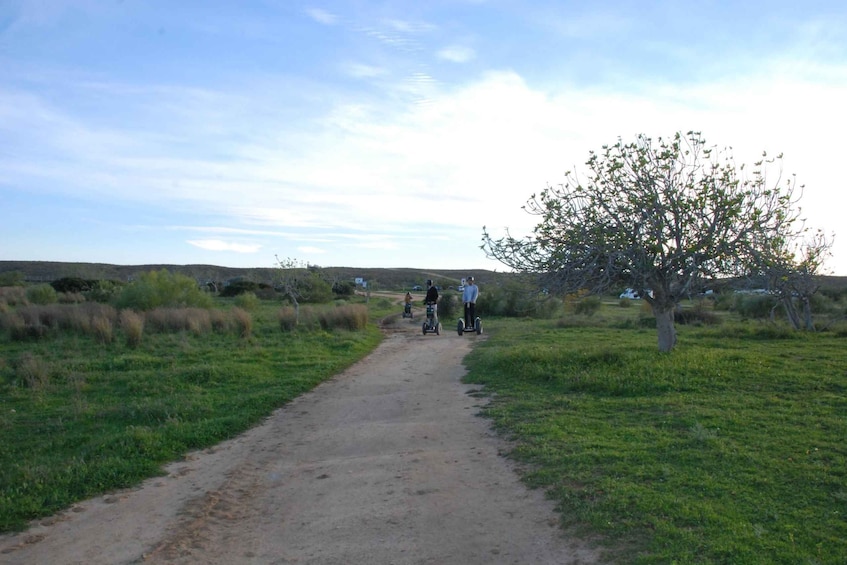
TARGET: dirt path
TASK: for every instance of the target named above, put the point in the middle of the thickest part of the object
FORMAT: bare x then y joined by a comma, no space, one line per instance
386,463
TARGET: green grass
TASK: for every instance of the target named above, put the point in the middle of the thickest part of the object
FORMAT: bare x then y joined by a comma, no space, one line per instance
730,449
79,417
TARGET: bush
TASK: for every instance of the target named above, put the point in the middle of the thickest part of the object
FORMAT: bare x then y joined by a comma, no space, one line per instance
158,289
754,306
242,321
32,372
237,288
248,301
132,325
42,294
12,278
344,288
103,291
353,317
587,306
72,284
13,295
696,316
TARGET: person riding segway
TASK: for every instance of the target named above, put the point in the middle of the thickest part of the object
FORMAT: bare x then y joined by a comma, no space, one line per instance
471,321
431,300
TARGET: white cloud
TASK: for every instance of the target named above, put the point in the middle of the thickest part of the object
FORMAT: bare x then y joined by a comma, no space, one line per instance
322,16
457,54
219,245
359,70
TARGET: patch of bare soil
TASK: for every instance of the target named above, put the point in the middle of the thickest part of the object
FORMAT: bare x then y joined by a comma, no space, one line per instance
387,462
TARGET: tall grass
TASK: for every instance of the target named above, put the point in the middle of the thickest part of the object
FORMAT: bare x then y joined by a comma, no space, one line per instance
81,415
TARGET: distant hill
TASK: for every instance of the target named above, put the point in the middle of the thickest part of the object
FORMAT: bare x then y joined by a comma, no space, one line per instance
395,279
401,278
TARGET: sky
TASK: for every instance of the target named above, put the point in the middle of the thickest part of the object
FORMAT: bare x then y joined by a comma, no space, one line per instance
382,133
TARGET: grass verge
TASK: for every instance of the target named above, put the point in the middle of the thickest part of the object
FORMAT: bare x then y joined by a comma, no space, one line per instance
80,416
731,449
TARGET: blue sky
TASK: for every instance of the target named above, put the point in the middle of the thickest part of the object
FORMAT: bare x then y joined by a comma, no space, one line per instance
381,134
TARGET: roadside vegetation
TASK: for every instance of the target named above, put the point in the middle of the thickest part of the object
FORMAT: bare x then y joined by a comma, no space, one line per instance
96,396
730,449
727,449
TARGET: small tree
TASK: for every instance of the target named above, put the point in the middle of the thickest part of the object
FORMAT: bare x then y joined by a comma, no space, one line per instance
652,215
791,268
289,281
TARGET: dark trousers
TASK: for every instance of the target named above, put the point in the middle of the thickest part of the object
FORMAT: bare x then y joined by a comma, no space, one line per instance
470,314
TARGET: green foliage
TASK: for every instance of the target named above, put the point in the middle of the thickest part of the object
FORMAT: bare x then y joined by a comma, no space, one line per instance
449,306
754,306
240,287
157,289
80,416
248,301
344,288
315,289
587,306
42,294
72,284
729,450
12,278
103,291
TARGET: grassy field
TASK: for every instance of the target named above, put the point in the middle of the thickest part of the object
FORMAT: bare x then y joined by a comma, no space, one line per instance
731,449
80,415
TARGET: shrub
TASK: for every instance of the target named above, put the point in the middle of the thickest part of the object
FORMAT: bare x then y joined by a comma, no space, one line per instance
103,291
195,320
248,301
163,289
32,372
696,316
101,327
71,298
72,284
12,278
42,294
448,306
13,295
219,320
344,288
352,317
587,306
132,325
287,317
237,288
754,306
242,321
624,302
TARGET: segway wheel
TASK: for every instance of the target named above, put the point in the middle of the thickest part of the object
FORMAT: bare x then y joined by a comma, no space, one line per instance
478,326
461,327
424,328
438,329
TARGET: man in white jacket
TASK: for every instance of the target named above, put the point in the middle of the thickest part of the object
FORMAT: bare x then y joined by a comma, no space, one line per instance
469,296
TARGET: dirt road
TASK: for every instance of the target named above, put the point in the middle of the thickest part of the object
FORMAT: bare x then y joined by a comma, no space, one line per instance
388,462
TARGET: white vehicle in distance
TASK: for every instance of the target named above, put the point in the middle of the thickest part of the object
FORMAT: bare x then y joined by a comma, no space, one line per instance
632,294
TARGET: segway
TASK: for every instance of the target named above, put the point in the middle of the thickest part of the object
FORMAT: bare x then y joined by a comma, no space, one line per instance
462,328
407,311
431,324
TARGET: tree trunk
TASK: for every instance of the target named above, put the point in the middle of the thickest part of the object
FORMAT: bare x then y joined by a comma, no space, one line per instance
665,327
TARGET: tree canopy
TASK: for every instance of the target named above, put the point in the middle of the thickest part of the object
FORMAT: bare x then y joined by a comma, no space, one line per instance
661,215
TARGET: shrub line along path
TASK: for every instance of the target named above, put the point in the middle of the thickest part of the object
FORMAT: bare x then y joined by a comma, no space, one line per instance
388,462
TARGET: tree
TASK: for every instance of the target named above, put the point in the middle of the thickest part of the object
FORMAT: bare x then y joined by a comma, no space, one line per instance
289,281
660,216
790,267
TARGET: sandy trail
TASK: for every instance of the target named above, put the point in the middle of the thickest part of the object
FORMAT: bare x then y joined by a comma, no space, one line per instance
387,462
